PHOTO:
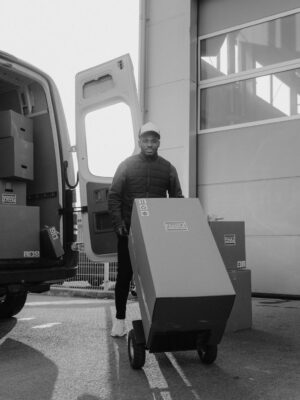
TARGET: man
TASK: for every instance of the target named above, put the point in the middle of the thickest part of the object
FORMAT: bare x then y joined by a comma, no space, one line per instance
139,176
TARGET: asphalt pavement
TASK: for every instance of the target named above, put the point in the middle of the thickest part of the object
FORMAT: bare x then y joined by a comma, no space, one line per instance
59,348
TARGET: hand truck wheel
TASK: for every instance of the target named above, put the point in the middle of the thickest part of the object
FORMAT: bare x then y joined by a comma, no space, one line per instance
136,351
207,353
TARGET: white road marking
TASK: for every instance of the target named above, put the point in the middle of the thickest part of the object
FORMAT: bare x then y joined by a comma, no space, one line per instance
66,302
256,369
49,325
177,367
26,319
166,395
154,375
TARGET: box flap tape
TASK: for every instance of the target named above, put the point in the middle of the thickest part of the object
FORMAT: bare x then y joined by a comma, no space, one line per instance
181,280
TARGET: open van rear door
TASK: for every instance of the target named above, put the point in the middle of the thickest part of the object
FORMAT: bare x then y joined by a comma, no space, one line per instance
98,90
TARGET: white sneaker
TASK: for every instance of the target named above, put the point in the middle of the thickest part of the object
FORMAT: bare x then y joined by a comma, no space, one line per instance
119,328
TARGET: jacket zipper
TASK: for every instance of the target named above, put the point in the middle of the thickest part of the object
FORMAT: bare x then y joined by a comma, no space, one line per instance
148,180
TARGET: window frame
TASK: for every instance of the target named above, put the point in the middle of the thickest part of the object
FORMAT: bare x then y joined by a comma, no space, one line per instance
243,75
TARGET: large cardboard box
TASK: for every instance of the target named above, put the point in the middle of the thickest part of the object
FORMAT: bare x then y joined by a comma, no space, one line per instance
12,192
19,232
230,239
16,158
13,124
182,284
241,313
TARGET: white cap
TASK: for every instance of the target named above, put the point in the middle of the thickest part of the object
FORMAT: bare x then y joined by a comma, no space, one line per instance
149,127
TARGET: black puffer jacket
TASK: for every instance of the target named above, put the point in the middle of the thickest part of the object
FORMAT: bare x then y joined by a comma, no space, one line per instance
140,176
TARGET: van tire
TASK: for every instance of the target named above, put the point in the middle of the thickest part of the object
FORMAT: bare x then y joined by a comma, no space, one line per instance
12,303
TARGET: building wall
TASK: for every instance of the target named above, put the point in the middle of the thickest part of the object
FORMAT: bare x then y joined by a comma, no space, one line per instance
168,81
251,173
248,173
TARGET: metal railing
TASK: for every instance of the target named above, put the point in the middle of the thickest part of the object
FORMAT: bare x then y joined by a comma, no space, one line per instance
100,276
92,275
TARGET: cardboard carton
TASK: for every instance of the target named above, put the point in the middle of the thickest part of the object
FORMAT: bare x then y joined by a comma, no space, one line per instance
51,246
182,284
12,192
13,124
16,158
19,232
241,313
230,239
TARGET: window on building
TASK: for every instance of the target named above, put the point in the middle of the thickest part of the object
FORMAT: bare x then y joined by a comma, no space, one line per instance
250,74
259,98
251,47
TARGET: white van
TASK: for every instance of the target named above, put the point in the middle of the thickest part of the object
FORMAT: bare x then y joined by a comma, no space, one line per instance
37,180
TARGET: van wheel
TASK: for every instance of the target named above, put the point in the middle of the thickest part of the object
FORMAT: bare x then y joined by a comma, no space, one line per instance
208,353
12,303
136,352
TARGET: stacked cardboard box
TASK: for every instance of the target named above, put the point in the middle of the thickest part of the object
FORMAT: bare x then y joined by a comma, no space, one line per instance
19,232
230,239
12,192
20,225
16,146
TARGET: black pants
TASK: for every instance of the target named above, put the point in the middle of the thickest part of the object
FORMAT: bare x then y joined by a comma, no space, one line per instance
124,277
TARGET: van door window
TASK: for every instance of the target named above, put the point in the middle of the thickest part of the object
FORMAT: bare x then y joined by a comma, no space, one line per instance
110,138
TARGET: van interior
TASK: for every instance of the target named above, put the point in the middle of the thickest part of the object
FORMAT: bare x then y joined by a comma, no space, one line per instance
30,168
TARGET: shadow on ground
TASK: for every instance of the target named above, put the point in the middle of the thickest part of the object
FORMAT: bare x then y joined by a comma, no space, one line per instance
256,364
38,372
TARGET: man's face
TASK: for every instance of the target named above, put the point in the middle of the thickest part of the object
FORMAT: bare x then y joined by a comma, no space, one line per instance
149,144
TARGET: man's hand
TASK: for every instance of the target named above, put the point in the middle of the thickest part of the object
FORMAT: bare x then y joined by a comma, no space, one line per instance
122,231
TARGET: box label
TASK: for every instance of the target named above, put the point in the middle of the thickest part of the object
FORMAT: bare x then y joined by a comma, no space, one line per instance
143,208
53,233
230,239
31,253
9,198
175,226
241,264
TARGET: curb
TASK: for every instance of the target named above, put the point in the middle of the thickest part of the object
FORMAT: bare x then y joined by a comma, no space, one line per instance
73,292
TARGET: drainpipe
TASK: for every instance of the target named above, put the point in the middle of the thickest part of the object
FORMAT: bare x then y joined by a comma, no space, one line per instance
142,56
